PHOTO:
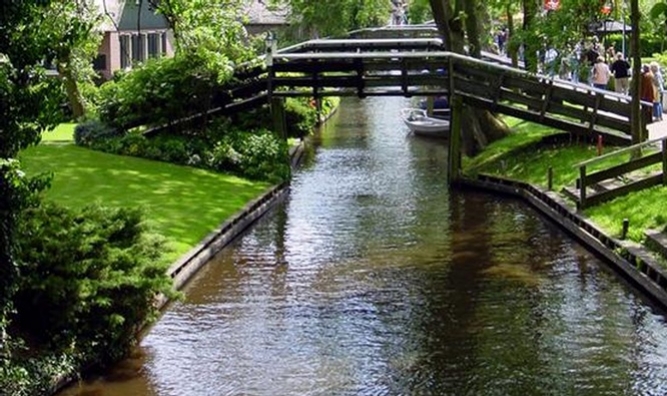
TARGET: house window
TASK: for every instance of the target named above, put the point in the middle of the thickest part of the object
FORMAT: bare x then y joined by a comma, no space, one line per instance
164,44
100,62
138,54
124,52
153,45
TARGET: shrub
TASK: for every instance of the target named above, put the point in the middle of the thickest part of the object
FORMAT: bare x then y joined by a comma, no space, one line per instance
258,155
87,133
650,43
161,91
301,116
89,278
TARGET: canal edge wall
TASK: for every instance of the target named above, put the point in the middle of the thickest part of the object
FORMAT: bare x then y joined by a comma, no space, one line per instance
191,262
183,269
629,259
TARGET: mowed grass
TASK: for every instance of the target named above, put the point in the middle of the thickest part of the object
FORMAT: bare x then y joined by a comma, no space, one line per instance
509,158
60,134
182,203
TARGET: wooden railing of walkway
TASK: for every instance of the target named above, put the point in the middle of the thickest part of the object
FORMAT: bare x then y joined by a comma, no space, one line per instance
416,66
605,185
581,110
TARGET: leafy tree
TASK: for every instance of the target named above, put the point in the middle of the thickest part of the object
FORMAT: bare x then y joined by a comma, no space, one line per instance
70,25
215,25
419,11
26,108
658,14
328,18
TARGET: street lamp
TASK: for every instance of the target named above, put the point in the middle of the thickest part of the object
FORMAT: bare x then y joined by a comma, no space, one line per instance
270,43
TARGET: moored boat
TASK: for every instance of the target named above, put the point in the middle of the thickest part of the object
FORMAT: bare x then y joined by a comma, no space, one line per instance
421,124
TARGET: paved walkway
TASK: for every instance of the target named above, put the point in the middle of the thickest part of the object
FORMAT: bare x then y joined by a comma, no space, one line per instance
657,130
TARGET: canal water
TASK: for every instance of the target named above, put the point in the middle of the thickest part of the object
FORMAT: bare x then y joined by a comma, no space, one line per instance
373,279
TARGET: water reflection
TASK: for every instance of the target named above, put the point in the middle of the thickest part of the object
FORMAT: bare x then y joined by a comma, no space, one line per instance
374,279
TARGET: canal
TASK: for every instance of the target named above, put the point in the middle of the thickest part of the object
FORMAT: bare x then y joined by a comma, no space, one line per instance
371,278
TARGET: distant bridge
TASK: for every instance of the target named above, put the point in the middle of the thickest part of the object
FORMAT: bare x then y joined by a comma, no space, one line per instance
410,61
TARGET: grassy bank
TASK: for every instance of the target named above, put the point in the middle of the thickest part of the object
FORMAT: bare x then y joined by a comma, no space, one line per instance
518,157
183,203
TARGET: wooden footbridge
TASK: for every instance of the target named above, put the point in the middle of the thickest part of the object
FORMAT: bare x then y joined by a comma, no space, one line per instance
410,61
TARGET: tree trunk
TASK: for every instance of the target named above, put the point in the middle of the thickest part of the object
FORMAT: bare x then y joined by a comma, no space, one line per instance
481,127
72,90
636,124
531,47
512,50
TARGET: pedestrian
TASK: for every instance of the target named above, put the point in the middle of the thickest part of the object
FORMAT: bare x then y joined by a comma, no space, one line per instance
575,61
550,60
647,92
621,70
601,74
658,90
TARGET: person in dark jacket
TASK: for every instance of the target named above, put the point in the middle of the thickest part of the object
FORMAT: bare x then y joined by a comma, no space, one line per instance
646,92
621,71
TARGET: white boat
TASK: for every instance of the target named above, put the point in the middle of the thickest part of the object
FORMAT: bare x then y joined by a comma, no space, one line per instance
423,125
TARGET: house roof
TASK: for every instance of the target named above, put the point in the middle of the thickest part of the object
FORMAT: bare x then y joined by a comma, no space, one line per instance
123,15
111,12
259,12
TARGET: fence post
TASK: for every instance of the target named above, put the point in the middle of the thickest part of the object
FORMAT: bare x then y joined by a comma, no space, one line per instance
582,186
664,162
455,130
278,116
550,179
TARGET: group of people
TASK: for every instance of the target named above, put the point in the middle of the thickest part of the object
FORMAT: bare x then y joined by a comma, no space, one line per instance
600,66
652,88
652,83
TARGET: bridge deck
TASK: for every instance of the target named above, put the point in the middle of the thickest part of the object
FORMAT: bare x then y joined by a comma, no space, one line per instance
409,61
576,108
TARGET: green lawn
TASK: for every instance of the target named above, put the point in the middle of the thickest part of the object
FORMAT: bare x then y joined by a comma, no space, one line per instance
61,133
184,204
644,209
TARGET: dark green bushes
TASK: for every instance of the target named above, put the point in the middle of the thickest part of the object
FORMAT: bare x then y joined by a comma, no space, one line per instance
91,131
257,155
650,43
161,91
89,278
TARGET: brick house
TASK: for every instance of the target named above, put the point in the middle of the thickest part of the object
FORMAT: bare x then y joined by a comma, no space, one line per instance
130,35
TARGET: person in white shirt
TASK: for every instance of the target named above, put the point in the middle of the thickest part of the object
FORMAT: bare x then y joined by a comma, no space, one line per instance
601,73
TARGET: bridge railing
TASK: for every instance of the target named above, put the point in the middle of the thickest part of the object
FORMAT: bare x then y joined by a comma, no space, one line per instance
567,106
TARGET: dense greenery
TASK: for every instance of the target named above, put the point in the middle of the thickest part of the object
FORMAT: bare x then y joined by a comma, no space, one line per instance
160,91
91,274
330,18
255,154
26,107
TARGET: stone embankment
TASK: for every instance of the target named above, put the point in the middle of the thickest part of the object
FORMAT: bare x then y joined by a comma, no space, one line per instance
633,262
187,266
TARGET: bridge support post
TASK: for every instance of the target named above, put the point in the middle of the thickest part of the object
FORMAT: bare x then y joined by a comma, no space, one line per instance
278,116
455,134
430,105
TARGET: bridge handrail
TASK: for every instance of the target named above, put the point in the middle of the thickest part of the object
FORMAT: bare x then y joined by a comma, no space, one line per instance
619,151
453,55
